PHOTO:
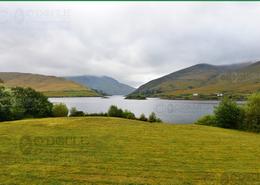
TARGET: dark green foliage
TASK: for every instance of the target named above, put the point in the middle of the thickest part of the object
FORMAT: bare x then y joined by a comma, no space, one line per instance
207,120
115,112
143,118
136,96
60,110
19,103
75,113
153,118
129,115
252,113
34,103
1,81
5,105
228,114
96,114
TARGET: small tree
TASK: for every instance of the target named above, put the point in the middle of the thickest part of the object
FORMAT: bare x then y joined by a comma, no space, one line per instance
128,114
115,112
60,110
5,105
152,117
228,114
207,120
75,113
143,118
252,113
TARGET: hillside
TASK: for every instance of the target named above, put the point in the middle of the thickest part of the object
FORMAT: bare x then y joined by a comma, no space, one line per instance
204,81
97,150
105,84
49,85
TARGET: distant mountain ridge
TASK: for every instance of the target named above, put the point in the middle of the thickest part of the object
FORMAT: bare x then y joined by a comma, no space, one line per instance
51,86
204,80
105,84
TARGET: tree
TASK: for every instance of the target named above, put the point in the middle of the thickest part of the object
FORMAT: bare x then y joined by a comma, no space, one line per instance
228,114
10,108
115,112
143,118
5,105
34,103
152,117
128,114
252,113
60,110
75,113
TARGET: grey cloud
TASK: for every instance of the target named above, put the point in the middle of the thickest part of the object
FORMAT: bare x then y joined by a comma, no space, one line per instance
133,42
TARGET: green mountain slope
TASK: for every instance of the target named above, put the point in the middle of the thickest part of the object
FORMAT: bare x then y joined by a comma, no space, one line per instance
104,84
204,81
49,85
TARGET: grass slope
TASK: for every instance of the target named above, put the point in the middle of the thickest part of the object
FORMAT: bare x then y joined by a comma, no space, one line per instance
119,151
50,85
205,79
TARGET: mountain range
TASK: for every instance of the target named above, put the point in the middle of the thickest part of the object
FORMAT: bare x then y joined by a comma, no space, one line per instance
51,86
201,81
204,81
103,84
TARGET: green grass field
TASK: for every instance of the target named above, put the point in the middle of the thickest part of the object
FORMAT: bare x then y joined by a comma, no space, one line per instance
98,150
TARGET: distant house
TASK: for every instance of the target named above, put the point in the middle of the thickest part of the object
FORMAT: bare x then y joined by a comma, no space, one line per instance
219,94
195,94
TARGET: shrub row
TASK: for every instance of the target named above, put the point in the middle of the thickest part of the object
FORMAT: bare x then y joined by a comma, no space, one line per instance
18,103
114,111
228,114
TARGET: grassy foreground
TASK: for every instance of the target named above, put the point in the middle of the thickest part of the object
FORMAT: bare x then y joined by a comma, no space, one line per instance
98,150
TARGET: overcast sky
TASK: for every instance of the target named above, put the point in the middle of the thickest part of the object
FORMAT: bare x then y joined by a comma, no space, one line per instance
133,42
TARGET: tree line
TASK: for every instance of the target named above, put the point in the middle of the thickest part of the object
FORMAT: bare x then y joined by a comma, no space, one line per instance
61,110
229,114
20,103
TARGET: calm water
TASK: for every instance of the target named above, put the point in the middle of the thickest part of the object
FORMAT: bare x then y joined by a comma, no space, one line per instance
171,111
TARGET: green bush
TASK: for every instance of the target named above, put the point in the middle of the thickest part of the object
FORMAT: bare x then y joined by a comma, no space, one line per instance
129,115
228,114
96,114
252,113
115,112
75,113
153,118
60,110
207,120
143,118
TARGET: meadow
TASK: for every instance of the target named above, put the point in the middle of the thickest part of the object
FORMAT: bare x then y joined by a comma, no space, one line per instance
99,150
